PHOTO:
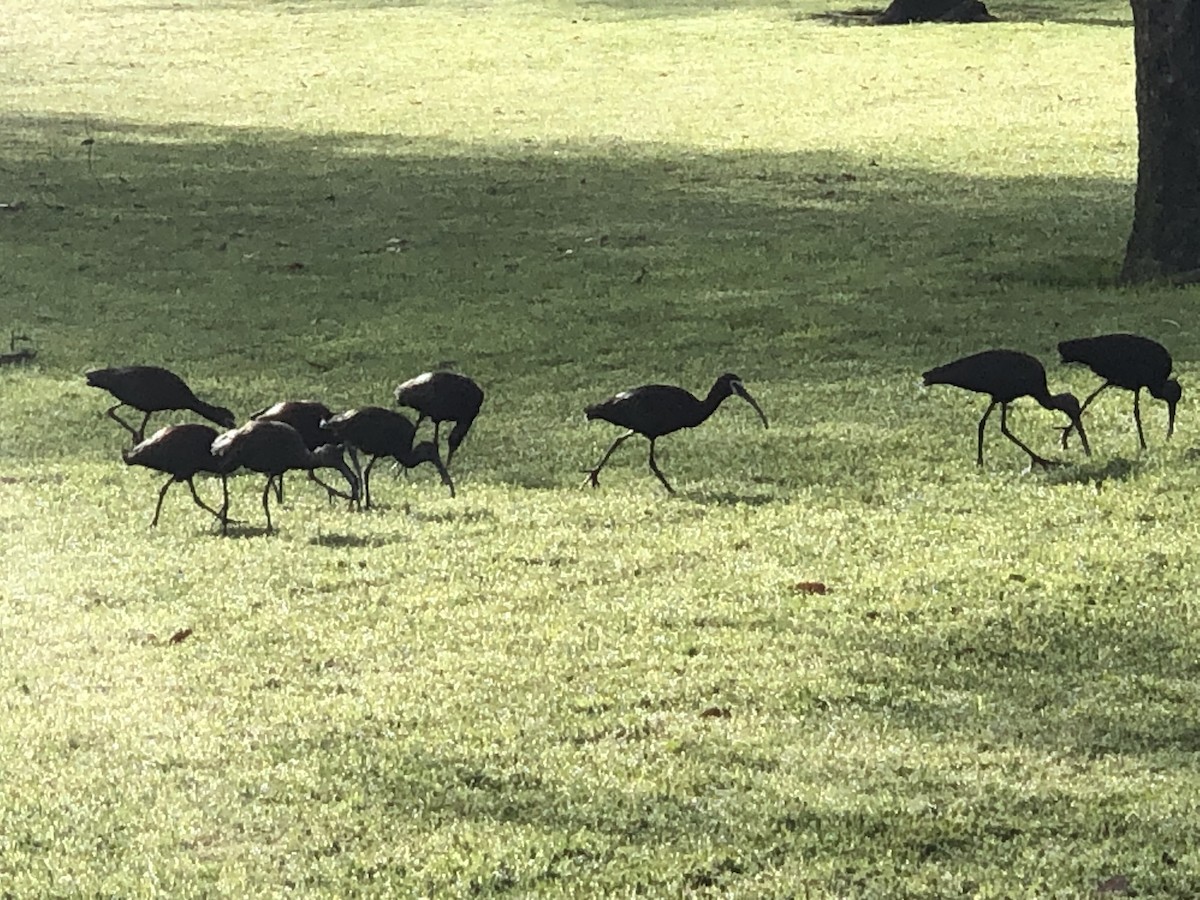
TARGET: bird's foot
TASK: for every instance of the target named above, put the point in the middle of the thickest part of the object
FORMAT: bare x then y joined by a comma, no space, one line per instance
1044,463
593,478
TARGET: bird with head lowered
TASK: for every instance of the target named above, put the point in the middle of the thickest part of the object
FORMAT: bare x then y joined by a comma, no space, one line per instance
1005,375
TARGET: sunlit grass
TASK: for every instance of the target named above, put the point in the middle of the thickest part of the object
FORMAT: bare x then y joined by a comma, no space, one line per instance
537,688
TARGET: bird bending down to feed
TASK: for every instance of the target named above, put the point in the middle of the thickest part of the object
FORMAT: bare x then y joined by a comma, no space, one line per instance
151,389
1005,375
442,397
181,451
654,410
380,432
270,448
306,417
1126,361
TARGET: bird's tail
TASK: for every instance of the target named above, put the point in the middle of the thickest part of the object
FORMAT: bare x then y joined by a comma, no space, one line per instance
593,412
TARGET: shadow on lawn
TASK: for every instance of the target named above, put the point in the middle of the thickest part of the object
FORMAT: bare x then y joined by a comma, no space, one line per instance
336,265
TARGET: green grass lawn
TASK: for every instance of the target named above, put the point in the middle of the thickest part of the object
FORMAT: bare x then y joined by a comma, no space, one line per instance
537,688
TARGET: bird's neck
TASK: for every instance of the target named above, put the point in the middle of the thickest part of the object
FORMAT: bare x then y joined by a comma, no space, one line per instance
708,406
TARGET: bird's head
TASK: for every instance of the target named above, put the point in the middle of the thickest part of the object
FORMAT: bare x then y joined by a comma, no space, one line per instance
224,417
1170,392
329,456
1069,404
732,385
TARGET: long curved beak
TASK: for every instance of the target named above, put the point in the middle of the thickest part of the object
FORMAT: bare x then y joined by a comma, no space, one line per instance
745,395
427,451
1170,419
1082,436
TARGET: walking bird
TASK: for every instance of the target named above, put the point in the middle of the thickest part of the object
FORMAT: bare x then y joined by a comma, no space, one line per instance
1126,361
306,417
1005,375
380,432
151,389
181,451
442,397
654,410
270,448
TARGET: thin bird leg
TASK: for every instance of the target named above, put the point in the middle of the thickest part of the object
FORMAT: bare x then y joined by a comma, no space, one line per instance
266,500
654,468
982,423
112,414
1033,457
224,503
278,487
594,474
162,495
191,484
1137,417
141,432
1066,432
367,479
330,490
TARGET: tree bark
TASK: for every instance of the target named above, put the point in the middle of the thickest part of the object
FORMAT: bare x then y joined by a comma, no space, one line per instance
1164,242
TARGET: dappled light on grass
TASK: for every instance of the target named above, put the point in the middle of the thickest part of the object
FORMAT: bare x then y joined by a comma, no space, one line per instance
844,661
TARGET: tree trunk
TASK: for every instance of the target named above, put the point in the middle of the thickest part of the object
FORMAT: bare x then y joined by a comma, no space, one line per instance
1165,239
902,12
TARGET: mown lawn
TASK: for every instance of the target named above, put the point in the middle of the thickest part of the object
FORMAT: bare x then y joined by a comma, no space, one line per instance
537,688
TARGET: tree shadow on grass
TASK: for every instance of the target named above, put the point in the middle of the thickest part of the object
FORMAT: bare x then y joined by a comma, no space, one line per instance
299,265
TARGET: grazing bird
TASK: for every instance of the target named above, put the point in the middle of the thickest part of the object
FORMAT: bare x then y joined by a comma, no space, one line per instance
151,389
1005,375
306,417
1126,361
380,432
442,397
270,448
654,410
181,451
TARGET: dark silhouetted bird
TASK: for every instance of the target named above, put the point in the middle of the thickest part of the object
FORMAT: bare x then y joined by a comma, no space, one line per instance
181,451
1126,361
271,448
380,432
442,397
654,410
151,389
1005,375
306,417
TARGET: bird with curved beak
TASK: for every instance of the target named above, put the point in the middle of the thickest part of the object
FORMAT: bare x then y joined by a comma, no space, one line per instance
654,410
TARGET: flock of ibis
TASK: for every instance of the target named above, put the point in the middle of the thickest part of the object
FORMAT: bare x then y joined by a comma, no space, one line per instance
308,436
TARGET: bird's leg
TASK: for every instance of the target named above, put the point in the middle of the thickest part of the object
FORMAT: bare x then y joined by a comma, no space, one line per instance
191,484
141,432
594,474
654,468
162,495
1137,417
112,414
278,487
1066,432
367,479
267,500
330,490
356,467
982,423
224,503
1033,457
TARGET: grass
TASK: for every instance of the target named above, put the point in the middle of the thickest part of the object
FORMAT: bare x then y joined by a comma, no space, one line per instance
537,689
